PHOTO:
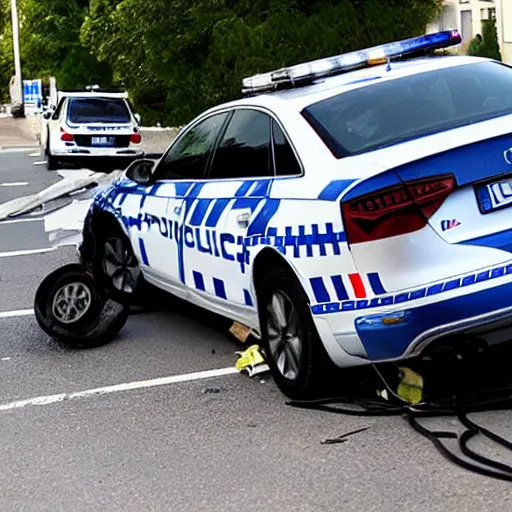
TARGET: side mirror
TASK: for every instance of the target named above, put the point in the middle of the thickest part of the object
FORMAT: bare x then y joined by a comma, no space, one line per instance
137,117
140,171
47,114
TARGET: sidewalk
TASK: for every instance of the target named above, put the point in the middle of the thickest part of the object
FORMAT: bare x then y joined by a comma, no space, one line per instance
16,133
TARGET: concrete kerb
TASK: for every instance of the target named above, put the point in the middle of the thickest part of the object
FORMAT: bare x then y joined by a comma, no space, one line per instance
16,134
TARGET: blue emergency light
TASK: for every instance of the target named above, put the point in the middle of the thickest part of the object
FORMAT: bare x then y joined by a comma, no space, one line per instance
305,73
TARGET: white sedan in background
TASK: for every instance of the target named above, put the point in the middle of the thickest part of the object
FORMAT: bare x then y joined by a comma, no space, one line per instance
92,129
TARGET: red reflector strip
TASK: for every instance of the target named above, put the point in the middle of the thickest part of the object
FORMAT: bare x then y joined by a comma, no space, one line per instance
357,284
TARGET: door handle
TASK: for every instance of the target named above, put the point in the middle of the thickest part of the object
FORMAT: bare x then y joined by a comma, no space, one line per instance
244,218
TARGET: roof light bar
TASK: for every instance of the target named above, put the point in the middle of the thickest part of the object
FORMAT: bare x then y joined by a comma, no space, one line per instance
305,73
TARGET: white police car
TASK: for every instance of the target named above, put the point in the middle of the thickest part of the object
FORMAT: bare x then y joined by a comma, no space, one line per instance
93,128
353,209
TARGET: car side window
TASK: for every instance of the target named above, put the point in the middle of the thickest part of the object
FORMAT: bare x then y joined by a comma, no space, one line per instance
244,150
187,158
285,161
58,110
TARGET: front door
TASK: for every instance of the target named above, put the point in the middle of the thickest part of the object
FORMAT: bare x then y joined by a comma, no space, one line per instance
178,179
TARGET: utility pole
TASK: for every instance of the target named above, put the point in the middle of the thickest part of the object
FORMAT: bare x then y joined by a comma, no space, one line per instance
18,83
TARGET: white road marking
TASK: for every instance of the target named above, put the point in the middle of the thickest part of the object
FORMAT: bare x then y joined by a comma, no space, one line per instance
5,359
16,313
40,163
129,386
35,154
10,254
17,150
15,184
16,221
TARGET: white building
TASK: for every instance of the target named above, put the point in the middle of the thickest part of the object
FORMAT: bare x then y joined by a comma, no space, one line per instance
504,25
466,16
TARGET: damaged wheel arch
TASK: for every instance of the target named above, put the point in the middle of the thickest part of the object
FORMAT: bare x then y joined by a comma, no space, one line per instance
107,253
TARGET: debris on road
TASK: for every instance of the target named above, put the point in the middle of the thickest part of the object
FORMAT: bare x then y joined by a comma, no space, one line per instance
211,391
251,361
66,187
410,388
343,437
240,331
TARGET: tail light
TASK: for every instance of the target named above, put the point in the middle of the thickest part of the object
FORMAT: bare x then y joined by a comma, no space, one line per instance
135,138
66,137
395,211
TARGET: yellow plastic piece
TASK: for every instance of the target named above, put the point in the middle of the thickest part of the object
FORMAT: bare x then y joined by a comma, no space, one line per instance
410,388
250,357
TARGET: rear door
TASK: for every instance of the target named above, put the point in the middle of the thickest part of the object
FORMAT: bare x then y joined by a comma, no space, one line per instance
217,224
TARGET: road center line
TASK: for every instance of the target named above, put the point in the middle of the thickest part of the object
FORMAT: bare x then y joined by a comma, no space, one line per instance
16,221
15,184
129,386
26,252
16,313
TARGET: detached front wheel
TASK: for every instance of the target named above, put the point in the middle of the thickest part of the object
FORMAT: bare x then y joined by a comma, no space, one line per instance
293,348
69,307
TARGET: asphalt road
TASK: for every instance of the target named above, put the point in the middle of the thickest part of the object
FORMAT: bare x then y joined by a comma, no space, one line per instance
219,444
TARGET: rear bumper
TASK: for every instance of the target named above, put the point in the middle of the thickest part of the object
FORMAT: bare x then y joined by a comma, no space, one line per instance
89,152
394,327
483,311
96,159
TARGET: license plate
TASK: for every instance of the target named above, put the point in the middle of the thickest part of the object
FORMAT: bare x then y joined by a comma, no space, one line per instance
102,141
495,196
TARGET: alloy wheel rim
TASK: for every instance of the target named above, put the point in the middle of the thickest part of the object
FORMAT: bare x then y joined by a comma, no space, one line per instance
71,302
119,265
284,335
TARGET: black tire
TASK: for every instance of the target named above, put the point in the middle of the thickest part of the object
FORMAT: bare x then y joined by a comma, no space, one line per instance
133,290
52,163
312,364
97,320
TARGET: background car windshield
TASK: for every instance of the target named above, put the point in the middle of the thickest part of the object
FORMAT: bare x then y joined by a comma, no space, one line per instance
391,112
98,110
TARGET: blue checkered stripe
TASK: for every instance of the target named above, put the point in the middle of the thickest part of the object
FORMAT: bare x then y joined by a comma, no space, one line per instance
420,293
219,287
302,241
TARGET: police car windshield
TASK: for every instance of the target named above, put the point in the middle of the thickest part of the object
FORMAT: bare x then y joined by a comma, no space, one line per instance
98,110
388,113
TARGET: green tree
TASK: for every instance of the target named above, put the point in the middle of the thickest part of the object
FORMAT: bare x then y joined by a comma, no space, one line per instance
491,48
6,51
476,47
50,43
178,57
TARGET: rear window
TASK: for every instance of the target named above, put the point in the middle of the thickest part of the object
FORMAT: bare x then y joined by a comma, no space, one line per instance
391,112
98,110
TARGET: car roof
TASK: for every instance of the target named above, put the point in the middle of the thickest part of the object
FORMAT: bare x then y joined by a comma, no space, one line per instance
301,97
89,94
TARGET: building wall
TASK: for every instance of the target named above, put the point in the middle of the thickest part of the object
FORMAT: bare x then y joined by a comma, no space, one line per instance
504,25
466,16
